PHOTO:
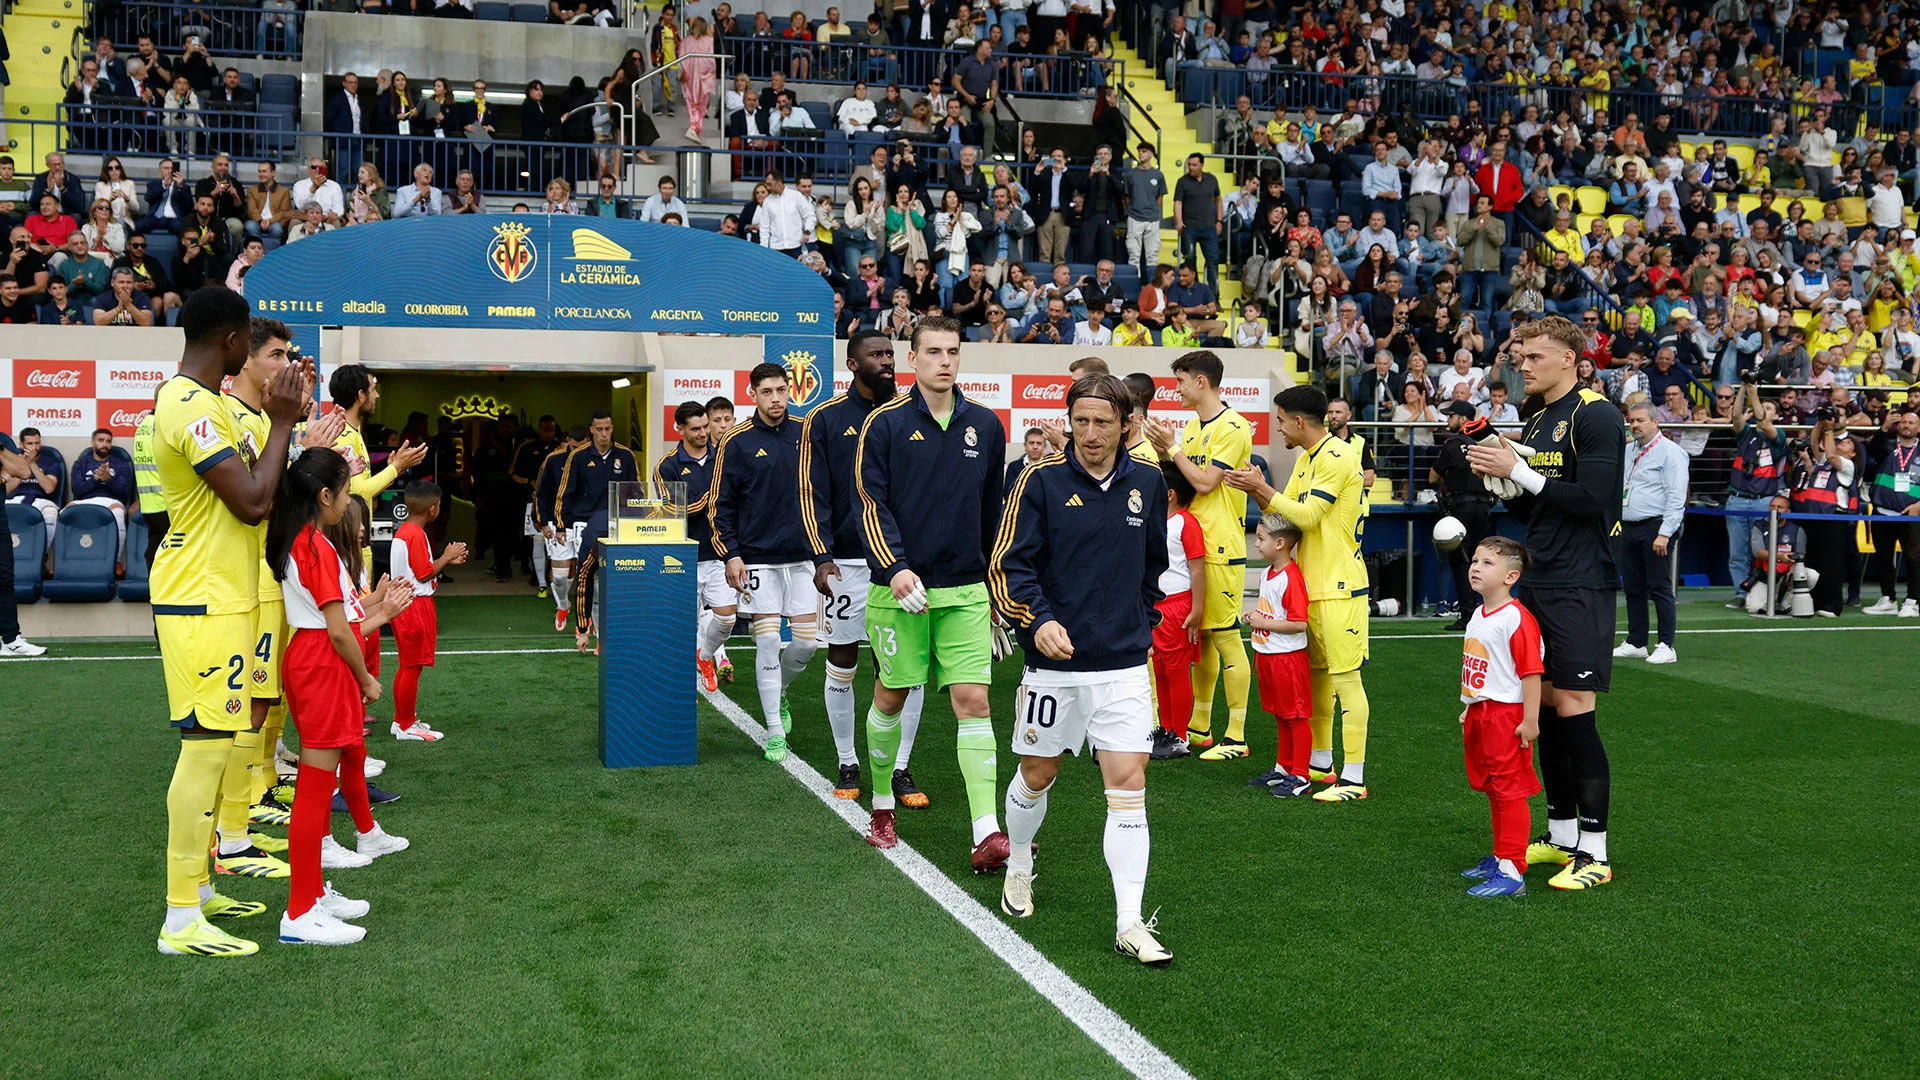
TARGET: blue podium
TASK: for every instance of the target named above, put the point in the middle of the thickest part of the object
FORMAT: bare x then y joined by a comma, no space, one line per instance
647,602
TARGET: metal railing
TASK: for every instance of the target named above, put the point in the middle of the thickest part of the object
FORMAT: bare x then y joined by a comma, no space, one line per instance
1063,75
125,126
223,26
717,97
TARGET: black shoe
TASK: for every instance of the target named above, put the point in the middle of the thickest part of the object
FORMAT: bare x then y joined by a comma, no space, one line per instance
848,786
1458,624
1167,746
906,792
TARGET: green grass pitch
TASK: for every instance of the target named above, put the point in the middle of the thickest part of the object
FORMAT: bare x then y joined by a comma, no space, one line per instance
554,918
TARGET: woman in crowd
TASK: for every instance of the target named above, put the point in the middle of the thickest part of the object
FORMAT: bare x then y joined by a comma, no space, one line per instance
1016,295
1318,310
559,197
106,238
897,322
866,222
906,232
697,74
181,109
923,288
750,213
618,97
953,227
371,200
119,192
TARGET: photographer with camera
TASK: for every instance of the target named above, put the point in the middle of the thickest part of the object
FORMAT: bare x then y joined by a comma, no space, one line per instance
1759,457
1896,508
1820,481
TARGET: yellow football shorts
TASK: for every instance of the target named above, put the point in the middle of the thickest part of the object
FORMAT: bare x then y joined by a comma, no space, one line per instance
269,645
1226,588
206,661
1337,634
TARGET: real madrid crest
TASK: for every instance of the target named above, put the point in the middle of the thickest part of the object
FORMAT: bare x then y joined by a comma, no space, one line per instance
973,439
86,540
1133,500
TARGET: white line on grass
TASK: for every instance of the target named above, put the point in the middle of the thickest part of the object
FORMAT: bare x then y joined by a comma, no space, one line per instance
1105,1027
1373,637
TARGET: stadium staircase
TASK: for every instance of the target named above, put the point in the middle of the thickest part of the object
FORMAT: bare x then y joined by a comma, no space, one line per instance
41,37
1178,139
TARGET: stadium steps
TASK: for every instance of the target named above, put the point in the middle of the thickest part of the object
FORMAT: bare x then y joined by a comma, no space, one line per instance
1178,139
40,36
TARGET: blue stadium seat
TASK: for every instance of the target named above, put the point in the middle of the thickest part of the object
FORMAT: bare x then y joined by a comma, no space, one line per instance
494,11
1322,197
706,224
162,246
61,475
529,13
29,550
135,585
84,551
277,130
246,81
279,89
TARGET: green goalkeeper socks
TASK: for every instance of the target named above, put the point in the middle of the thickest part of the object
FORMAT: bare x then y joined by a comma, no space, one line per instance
883,745
976,752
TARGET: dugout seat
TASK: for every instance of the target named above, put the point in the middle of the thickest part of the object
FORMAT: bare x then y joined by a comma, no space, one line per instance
135,587
85,549
29,551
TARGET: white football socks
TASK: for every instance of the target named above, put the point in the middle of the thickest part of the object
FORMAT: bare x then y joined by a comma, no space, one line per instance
1026,809
1564,832
179,918
1594,844
766,672
236,845
1126,846
1353,772
713,630
909,724
563,588
839,694
540,562
1320,759
799,651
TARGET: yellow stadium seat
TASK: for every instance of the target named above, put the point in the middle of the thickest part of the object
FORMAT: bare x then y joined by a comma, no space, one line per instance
1803,317
1749,203
1556,190
1591,200
1816,208
1618,223
1912,217
1719,200
1686,150
1584,222
1742,154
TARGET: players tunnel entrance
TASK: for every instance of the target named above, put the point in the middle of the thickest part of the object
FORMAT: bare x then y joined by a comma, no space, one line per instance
481,421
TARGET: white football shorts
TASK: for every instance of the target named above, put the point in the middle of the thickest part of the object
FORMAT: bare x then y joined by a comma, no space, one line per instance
1055,712
780,589
714,590
844,614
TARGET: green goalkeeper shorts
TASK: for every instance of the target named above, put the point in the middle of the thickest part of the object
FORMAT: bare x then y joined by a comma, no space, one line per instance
951,642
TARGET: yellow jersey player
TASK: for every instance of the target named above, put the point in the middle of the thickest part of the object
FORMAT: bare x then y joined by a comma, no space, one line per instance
1326,498
1215,442
205,589
356,391
244,797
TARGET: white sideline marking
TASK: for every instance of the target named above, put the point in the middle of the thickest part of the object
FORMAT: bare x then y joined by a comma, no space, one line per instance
1105,1027
1371,637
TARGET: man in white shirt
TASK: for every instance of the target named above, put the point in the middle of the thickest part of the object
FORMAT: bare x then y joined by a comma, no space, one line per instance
320,188
1817,145
1424,204
422,199
657,207
786,219
1885,204
856,113
788,120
